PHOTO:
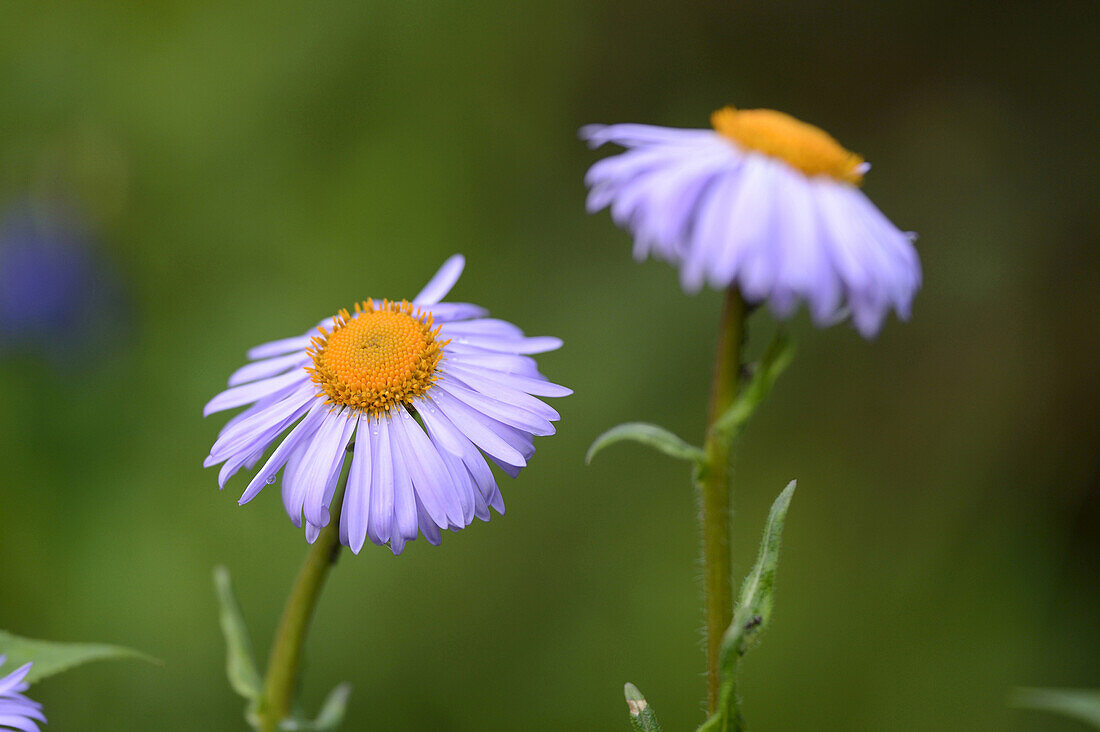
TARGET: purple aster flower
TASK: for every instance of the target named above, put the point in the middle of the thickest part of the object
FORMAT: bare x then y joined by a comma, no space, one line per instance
762,202
17,711
56,292
423,388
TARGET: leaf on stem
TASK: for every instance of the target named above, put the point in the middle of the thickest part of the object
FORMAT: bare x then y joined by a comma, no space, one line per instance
777,356
754,609
647,434
642,718
51,657
240,665
1080,704
754,605
330,716
332,711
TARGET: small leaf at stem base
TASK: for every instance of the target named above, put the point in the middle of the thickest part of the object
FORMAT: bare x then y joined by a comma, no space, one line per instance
240,666
642,718
750,618
328,719
1080,704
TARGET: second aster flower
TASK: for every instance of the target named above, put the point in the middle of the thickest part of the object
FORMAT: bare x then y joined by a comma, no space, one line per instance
422,387
17,711
761,202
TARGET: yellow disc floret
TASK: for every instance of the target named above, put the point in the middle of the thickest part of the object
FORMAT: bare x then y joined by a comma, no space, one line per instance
802,146
385,354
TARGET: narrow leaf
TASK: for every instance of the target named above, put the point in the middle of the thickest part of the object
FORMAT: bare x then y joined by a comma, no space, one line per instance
332,711
642,718
239,664
330,717
754,605
777,356
647,434
1080,704
51,657
750,618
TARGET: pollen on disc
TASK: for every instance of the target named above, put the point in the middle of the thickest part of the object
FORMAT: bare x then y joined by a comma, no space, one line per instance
383,355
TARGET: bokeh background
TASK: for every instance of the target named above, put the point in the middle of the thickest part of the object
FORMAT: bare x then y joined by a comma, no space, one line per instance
181,180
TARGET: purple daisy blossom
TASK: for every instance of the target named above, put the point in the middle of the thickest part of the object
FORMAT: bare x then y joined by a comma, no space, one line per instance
58,294
424,388
17,712
762,202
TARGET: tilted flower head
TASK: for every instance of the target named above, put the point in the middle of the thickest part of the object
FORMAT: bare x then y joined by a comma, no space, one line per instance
762,202
423,388
17,711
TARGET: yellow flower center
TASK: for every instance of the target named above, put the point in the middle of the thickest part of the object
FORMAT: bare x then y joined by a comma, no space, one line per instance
386,354
802,146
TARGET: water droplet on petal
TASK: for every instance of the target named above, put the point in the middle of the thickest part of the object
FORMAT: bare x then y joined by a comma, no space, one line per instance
270,479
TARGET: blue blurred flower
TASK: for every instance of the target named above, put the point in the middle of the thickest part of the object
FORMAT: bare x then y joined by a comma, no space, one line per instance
763,202
364,378
17,712
55,292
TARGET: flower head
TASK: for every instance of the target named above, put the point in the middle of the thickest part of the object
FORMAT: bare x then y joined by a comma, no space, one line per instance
423,388
762,202
17,712
58,293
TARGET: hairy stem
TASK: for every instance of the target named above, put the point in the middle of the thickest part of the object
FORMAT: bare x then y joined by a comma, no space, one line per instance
715,489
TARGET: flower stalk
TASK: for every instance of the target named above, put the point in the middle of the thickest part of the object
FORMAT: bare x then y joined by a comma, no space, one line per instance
286,649
715,489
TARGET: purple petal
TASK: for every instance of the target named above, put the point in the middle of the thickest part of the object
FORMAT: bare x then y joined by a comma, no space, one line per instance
304,430
426,470
538,344
476,427
537,386
484,383
508,363
508,414
323,470
444,312
268,367
240,395
404,498
245,435
631,135
357,495
482,326
277,348
442,282
380,522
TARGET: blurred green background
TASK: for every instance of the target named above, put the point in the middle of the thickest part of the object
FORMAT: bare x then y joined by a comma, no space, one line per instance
244,169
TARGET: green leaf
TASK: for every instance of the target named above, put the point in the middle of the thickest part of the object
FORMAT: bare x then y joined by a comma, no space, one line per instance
1080,704
330,717
239,664
754,605
51,657
647,434
754,609
332,711
777,356
642,718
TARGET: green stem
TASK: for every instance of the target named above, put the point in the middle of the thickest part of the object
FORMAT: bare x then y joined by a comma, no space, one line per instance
715,489
286,650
